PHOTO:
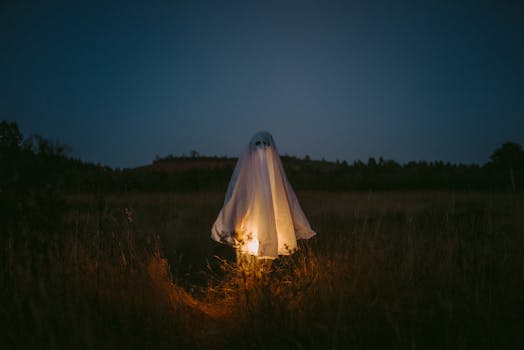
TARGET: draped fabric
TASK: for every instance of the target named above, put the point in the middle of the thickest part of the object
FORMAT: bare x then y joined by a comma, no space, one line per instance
261,215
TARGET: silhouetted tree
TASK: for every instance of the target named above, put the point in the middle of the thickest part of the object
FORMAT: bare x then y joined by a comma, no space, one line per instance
41,146
32,174
10,136
509,157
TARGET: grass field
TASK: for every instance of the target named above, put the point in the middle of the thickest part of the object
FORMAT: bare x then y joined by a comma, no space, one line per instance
386,270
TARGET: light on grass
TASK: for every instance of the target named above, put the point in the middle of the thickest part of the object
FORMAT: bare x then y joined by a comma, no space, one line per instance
261,215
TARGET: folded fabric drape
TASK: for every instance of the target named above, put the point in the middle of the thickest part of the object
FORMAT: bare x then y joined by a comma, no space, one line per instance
261,215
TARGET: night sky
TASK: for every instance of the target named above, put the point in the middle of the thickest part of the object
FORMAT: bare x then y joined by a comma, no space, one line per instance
121,82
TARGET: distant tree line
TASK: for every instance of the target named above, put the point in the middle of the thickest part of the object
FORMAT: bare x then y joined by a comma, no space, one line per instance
33,168
502,173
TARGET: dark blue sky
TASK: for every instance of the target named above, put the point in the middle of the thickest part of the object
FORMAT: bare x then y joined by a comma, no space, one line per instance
120,82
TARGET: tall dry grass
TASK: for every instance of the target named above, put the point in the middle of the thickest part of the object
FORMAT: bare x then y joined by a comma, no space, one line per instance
387,270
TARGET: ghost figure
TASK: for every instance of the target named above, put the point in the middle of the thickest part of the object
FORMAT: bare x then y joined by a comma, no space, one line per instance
261,215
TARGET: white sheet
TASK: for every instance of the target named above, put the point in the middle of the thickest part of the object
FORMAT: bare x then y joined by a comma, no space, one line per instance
261,215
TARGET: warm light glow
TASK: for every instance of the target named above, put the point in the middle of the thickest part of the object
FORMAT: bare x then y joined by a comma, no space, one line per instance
248,241
252,246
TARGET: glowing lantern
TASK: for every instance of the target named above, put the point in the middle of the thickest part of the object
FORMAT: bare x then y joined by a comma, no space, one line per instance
261,215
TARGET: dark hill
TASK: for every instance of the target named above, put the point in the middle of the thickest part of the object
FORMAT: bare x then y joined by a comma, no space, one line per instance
33,166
